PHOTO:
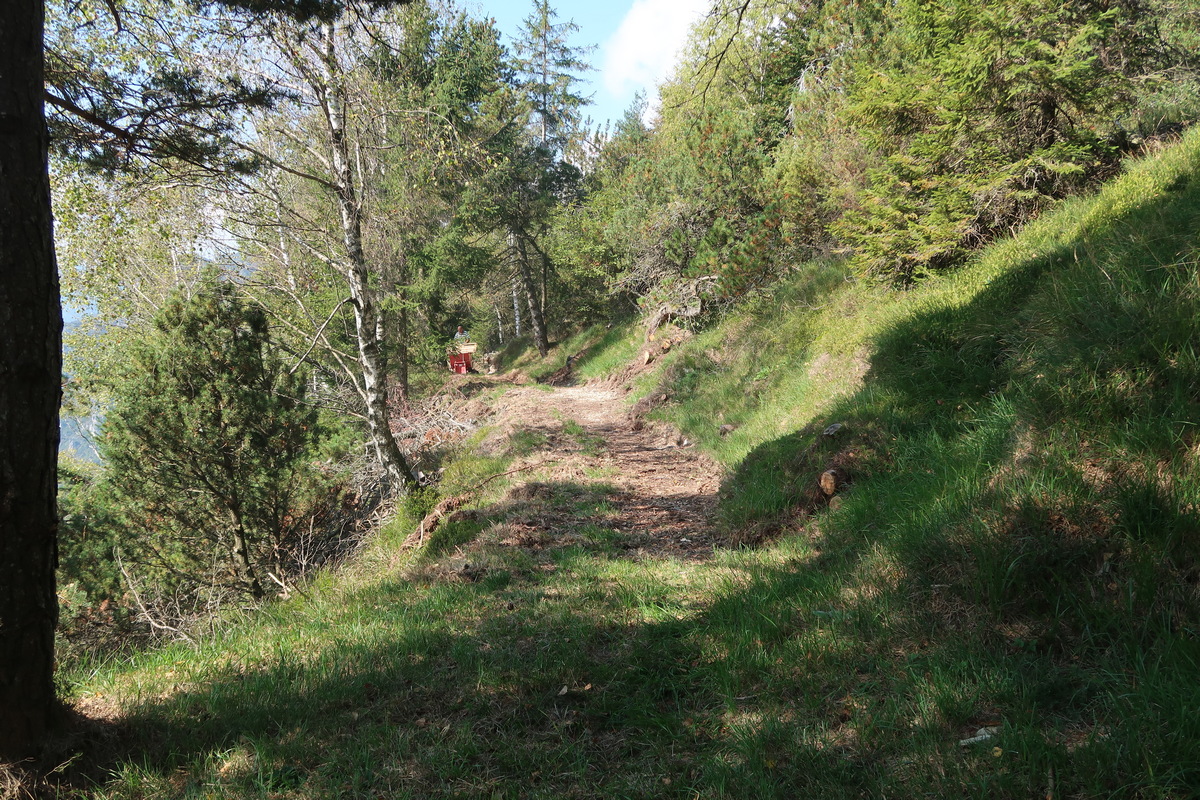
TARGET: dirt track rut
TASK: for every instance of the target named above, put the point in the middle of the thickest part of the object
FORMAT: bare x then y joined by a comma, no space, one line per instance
666,487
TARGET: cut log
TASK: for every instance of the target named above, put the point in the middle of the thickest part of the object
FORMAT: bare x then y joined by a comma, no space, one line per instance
832,480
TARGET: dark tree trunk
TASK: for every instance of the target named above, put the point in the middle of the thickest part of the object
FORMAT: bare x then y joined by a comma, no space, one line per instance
536,322
30,389
541,254
402,326
241,556
402,379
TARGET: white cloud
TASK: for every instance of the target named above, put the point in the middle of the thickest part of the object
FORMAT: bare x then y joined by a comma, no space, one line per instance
642,52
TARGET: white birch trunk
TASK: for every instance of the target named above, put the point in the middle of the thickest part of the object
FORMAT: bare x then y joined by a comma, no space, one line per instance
368,320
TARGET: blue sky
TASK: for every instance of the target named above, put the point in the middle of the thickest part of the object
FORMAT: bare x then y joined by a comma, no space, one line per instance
636,41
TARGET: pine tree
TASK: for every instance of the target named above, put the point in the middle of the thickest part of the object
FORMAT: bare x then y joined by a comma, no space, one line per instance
548,68
986,112
208,432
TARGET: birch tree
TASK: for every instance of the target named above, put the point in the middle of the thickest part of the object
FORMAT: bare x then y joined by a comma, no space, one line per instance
316,58
367,165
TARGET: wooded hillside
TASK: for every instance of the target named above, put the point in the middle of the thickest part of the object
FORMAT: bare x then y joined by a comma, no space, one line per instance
914,282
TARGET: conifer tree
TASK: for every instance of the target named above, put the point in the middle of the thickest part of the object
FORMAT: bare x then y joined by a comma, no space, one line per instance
549,67
987,112
208,431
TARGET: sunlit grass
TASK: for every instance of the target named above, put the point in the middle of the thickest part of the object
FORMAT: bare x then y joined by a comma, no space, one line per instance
595,351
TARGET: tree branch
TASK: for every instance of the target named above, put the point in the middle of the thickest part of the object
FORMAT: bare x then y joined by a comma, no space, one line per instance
142,606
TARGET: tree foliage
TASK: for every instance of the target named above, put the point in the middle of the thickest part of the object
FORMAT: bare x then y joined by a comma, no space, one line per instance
206,441
684,212
905,134
127,88
985,113
548,67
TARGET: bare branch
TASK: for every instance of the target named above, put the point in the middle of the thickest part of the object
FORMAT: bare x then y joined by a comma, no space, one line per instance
317,335
142,606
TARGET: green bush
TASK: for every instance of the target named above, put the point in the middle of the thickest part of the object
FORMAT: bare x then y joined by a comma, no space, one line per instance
987,112
207,441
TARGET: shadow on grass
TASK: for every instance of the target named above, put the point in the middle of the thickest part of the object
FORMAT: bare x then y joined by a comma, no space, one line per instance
824,675
538,521
1018,548
544,687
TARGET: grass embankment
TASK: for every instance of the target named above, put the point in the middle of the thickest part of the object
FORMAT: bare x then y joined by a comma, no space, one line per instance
1017,551
1020,545
598,349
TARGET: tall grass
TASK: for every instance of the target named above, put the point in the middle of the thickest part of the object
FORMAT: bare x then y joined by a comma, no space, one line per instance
1020,438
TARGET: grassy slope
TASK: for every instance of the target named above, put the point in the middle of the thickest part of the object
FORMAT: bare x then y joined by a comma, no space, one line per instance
601,350
1021,541
1018,550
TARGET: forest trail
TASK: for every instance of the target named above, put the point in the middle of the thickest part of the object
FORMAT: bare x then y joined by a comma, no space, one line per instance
659,489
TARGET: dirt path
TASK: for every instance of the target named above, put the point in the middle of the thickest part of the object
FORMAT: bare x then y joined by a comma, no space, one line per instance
665,487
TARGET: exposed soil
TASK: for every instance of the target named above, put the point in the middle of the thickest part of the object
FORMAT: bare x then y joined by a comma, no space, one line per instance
666,488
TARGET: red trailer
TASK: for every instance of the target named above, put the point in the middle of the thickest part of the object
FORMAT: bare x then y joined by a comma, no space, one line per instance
460,361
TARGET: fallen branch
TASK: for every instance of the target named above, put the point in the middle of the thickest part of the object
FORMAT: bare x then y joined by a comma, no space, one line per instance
491,478
137,598
289,589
